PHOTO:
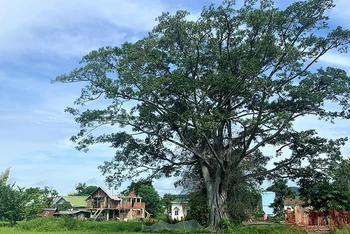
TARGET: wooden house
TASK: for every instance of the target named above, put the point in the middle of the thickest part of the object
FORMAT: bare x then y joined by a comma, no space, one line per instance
103,205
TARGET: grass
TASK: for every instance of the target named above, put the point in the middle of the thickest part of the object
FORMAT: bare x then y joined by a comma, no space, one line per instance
7,230
53,224
71,226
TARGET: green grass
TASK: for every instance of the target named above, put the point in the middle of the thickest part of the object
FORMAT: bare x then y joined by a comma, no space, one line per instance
7,230
72,226
53,224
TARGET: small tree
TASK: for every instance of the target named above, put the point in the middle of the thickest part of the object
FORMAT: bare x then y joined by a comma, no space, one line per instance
11,200
48,196
166,201
282,192
33,202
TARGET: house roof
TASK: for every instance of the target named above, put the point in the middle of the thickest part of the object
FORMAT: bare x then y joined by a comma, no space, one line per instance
76,201
114,197
71,212
47,212
293,201
180,200
49,209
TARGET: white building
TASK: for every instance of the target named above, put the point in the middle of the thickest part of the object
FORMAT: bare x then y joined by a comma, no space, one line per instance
179,208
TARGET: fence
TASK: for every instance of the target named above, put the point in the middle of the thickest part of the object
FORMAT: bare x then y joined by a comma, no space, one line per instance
309,219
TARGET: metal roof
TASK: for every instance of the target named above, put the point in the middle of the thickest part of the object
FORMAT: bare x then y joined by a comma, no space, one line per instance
76,201
113,197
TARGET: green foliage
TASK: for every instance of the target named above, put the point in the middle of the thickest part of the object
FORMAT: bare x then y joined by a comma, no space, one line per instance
224,224
152,199
48,196
243,201
4,177
327,189
212,93
11,204
149,195
64,206
282,192
11,200
54,224
199,210
167,199
34,202
266,229
135,186
84,190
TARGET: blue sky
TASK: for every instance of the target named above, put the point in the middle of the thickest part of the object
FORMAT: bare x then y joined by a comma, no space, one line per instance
41,39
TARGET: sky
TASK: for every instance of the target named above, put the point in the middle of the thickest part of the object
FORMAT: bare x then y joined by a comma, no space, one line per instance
41,39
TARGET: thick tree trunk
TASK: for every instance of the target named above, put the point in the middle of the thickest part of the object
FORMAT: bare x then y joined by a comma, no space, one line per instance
217,195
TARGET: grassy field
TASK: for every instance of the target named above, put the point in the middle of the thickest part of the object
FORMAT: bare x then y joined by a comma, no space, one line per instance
71,226
4,230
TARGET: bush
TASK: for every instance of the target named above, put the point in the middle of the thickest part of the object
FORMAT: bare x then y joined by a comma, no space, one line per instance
266,230
225,224
52,224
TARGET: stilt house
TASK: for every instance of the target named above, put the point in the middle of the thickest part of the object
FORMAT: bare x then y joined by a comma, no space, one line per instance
103,205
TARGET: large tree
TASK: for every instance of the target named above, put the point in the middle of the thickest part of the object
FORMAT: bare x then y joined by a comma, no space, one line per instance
212,93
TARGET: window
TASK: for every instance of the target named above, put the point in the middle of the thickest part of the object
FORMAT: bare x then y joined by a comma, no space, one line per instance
176,212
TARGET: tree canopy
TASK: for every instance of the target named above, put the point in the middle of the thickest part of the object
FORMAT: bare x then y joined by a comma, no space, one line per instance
282,192
210,94
84,190
327,189
149,195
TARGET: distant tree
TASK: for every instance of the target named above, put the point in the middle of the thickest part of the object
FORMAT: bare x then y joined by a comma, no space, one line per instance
326,189
64,206
135,186
166,201
48,196
11,200
4,177
214,92
84,190
341,175
149,195
282,192
152,199
34,202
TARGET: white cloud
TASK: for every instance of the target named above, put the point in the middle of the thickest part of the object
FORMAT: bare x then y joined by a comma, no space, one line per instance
340,60
72,28
341,12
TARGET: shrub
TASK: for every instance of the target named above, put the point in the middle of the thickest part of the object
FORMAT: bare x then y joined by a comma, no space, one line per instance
52,224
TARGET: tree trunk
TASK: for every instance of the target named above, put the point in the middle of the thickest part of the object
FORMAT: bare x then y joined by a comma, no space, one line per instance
217,195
